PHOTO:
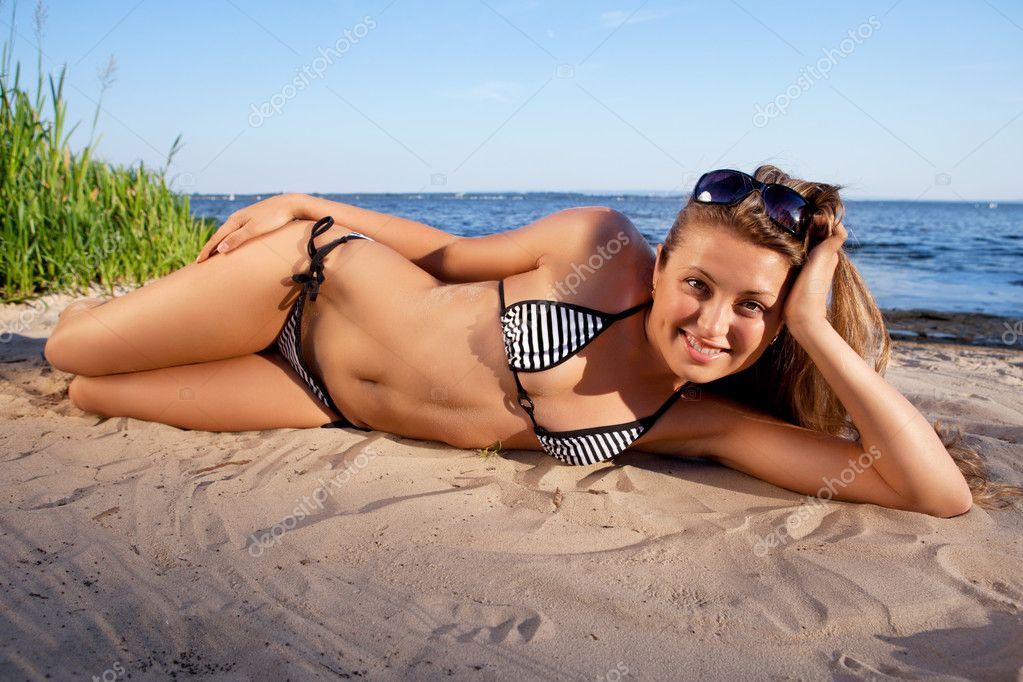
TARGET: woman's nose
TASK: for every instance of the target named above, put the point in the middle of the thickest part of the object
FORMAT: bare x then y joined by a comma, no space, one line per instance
713,321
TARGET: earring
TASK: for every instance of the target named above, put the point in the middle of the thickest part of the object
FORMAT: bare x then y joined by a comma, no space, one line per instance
775,338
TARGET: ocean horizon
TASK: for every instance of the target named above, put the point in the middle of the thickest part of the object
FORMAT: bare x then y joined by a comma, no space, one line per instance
946,256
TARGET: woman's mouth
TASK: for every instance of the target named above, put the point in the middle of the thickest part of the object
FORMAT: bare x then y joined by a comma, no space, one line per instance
698,352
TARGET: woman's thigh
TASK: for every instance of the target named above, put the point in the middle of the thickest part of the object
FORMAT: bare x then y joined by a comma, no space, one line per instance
247,393
226,306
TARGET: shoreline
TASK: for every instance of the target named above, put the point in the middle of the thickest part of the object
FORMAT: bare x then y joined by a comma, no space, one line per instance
957,328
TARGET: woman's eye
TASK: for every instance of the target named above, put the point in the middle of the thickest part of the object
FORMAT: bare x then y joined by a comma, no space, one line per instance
751,306
756,307
688,281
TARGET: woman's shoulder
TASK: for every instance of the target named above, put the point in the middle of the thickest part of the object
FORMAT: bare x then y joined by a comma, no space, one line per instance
609,267
605,229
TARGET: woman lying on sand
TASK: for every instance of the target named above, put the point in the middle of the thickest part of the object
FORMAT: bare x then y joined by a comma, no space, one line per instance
569,335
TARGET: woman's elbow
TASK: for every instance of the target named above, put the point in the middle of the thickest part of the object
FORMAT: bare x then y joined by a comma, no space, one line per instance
950,505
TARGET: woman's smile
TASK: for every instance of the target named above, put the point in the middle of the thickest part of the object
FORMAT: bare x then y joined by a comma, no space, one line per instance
699,352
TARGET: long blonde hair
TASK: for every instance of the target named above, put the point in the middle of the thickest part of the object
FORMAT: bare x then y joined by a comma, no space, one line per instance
784,381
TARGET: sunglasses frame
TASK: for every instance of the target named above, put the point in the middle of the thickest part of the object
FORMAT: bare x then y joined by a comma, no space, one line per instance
754,185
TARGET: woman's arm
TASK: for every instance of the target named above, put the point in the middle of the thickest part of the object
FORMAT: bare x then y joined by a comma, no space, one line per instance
420,243
569,235
792,457
911,458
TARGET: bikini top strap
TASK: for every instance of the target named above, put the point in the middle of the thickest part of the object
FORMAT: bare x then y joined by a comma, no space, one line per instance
687,386
629,311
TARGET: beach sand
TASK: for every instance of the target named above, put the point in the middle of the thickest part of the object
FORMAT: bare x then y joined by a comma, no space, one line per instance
135,548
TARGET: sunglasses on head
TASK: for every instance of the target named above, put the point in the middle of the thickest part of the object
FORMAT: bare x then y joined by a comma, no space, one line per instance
785,206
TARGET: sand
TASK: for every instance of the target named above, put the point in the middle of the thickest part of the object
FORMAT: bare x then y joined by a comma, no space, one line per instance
138,549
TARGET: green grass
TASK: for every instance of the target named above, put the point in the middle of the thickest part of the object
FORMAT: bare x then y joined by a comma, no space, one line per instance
69,220
494,449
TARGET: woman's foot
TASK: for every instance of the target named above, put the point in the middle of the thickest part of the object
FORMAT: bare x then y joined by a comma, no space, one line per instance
76,308
83,304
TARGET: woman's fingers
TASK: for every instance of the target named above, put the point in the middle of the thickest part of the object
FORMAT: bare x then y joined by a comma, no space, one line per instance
807,299
238,237
251,221
233,222
829,247
840,234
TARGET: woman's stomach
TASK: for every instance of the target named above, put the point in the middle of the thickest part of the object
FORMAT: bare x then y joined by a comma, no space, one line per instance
410,355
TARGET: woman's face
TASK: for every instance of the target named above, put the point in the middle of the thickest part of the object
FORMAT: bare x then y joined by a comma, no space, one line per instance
722,293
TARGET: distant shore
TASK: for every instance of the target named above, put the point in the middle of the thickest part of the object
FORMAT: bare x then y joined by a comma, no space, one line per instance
974,329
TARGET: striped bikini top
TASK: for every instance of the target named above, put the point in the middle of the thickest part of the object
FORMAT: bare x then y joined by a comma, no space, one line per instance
540,334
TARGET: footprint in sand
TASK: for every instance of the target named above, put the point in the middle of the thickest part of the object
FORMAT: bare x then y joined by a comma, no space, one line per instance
845,667
486,623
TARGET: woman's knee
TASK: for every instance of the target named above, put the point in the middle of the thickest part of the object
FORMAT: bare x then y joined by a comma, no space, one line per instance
65,353
83,394
90,350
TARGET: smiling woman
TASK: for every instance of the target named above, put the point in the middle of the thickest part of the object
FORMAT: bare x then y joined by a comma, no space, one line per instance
722,343
822,367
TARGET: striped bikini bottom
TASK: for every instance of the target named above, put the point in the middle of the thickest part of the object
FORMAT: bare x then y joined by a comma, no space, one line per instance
289,341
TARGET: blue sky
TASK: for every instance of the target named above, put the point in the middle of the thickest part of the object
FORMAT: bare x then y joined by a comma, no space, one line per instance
908,99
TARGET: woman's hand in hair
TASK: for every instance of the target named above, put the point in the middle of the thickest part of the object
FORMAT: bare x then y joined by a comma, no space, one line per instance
807,301
252,221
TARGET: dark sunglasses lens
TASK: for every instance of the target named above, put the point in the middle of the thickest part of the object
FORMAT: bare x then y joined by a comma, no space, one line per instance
784,205
721,187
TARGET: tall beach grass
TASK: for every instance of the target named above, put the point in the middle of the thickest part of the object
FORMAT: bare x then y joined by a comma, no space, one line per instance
69,220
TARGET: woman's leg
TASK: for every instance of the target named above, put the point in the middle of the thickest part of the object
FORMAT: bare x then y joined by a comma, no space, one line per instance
247,393
227,306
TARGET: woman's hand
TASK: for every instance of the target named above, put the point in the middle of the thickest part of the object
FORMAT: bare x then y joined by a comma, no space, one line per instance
251,221
807,302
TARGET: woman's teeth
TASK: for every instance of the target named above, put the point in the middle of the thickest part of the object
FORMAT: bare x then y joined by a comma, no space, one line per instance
693,344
